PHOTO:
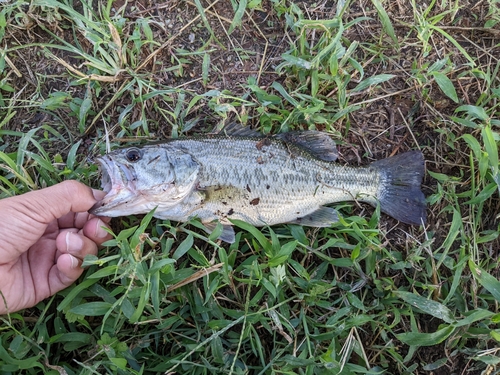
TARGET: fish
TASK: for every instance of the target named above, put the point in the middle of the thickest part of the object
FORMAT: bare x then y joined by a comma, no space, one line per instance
259,179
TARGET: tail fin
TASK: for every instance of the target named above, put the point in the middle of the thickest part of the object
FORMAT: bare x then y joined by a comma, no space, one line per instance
399,192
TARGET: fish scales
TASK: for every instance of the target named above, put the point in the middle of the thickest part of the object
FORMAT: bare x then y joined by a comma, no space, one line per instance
298,184
287,178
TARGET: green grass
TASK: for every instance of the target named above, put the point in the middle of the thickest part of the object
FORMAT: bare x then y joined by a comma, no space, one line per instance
366,296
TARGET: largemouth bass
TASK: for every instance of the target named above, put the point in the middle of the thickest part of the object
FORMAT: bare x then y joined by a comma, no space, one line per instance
262,180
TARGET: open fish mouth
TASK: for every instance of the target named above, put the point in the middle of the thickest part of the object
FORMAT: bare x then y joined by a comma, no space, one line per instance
106,182
117,181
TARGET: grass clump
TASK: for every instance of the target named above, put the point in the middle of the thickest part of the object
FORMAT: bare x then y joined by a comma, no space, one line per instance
366,296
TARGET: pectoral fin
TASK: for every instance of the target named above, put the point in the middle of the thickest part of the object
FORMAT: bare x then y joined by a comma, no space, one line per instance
322,217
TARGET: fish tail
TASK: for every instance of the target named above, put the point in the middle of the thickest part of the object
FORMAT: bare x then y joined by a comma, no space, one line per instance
399,192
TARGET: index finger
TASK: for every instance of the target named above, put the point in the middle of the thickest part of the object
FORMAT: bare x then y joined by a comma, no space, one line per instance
49,204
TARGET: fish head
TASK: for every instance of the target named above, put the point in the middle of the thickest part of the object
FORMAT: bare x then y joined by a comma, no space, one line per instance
137,180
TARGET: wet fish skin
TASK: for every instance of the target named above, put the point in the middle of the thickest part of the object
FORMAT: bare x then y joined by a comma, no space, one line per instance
260,180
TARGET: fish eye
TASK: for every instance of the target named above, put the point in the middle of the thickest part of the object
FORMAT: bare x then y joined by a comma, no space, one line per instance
133,155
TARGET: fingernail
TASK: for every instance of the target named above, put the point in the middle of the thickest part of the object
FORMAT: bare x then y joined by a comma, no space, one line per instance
74,243
74,262
98,194
99,231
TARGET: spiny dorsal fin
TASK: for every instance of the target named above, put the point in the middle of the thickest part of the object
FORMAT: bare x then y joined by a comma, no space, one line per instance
317,143
235,129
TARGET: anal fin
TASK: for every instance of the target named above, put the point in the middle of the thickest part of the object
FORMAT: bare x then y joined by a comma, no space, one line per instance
227,234
322,217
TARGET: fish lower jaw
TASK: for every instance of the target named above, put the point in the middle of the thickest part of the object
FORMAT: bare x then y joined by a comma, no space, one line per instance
121,202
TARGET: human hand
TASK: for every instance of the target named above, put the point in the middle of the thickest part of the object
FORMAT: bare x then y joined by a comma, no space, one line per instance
44,236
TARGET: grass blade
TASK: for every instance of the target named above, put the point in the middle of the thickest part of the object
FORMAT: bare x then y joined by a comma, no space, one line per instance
446,85
205,68
455,43
386,21
490,283
426,339
238,15
428,306
490,144
203,16
97,308
373,80
474,111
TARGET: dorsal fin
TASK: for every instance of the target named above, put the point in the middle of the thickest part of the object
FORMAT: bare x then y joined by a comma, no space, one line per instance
235,129
317,143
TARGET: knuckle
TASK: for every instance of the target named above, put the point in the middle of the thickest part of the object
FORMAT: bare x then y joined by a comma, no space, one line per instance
75,188
71,185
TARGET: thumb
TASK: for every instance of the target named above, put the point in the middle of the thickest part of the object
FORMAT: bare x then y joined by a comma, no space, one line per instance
46,205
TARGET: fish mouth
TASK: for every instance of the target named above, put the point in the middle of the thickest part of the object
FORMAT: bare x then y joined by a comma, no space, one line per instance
117,181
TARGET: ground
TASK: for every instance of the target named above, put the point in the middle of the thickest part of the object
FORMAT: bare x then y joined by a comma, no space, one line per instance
382,77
